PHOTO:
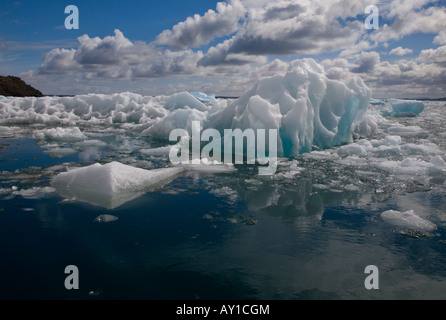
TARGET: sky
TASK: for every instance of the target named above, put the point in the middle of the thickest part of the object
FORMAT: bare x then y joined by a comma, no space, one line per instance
222,47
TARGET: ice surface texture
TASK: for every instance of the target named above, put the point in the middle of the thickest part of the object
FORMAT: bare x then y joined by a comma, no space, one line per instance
306,108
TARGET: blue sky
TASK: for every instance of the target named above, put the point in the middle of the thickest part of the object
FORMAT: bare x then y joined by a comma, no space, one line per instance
222,47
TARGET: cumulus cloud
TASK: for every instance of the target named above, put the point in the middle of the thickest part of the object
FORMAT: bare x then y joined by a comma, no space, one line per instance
424,76
366,62
429,20
117,57
59,61
441,37
290,28
436,56
400,51
199,30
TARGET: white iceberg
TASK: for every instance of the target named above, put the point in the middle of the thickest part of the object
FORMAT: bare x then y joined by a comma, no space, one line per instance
406,108
407,220
308,109
112,184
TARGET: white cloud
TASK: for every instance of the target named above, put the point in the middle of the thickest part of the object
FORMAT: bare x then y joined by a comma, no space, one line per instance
116,57
366,62
430,20
292,28
400,51
436,56
404,7
199,30
424,76
441,37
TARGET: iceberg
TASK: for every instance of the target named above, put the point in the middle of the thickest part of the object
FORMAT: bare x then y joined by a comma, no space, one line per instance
112,184
406,108
308,109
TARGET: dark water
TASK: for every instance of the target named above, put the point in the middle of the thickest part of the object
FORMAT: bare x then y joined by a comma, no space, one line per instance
283,239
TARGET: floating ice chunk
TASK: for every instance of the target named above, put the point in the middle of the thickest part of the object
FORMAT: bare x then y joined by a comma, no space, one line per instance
202,97
390,145
438,161
438,166
406,108
407,220
33,193
407,131
231,194
62,134
387,141
409,166
112,184
385,150
352,149
427,148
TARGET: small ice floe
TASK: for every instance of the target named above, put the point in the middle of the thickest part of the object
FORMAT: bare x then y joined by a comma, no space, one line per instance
406,108
61,134
106,218
32,193
112,184
408,220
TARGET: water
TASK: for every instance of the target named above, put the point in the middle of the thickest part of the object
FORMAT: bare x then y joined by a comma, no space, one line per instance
306,233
